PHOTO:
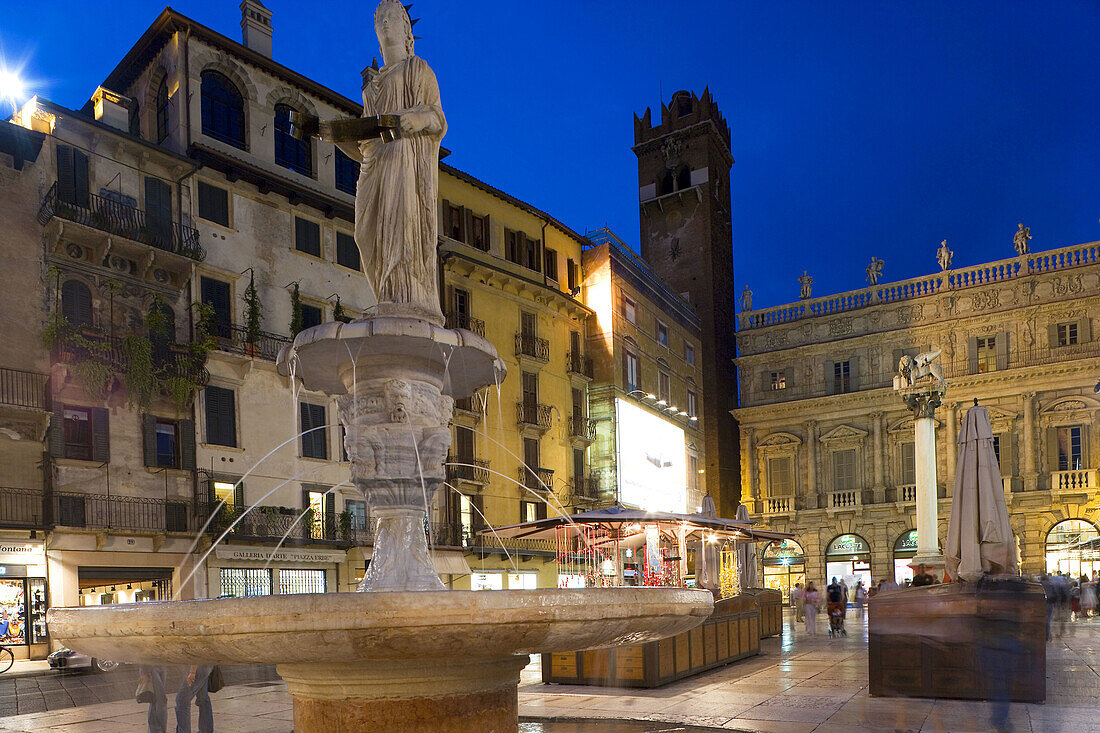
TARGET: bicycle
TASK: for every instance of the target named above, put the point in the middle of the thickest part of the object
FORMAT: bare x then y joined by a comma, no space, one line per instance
6,659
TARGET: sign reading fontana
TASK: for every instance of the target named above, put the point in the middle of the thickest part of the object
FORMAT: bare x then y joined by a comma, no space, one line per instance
22,553
652,462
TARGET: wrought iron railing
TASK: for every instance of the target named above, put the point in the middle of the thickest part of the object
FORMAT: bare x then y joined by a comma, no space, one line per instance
582,428
235,339
126,221
19,388
467,468
172,360
586,487
538,479
131,513
23,508
534,414
273,523
532,347
465,320
579,364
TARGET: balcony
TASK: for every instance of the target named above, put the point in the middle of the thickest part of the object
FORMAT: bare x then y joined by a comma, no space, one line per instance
465,320
274,523
234,339
23,508
23,389
537,479
172,361
579,365
533,415
125,221
586,488
127,513
777,505
533,348
467,468
1070,481
907,493
582,428
850,499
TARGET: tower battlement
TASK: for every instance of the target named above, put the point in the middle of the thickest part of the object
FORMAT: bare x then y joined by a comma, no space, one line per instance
683,110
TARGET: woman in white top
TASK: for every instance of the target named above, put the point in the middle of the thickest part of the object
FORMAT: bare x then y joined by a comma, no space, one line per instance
811,599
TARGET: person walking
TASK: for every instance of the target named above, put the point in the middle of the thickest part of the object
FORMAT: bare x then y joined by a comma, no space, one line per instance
811,600
860,599
1088,597
151,679
195,687
799,602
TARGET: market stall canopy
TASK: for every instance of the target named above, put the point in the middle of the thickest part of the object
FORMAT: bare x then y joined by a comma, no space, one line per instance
627,522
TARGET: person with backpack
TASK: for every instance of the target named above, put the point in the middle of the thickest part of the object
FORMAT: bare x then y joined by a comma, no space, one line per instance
836,596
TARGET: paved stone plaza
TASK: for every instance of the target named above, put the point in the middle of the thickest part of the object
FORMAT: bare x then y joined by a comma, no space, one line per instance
797,684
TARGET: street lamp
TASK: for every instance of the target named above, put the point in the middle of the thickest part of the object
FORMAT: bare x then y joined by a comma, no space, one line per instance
644,395
11,88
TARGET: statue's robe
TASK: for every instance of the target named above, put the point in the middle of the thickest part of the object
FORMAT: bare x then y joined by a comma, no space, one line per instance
395,201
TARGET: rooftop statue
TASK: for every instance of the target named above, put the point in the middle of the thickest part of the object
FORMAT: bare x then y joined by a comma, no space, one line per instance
874,270
1023,234
806,281
944,256
397,139
746,300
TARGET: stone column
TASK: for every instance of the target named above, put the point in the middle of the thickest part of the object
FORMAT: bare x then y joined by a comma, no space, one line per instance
811,461
1031,476
748,443
923,402
879,465
950,418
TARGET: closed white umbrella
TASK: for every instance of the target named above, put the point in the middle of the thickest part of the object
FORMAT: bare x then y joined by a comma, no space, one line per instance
746,555
979,535
708,551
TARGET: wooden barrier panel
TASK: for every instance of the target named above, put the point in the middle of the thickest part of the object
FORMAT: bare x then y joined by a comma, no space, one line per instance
771,610
731,633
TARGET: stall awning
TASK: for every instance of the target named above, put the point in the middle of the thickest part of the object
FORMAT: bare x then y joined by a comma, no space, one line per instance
450,563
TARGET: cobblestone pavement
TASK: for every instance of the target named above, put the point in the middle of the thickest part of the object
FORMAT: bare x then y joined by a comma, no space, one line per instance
798,684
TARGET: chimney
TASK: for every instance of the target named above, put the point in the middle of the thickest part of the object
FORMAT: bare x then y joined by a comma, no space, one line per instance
256,26
112,108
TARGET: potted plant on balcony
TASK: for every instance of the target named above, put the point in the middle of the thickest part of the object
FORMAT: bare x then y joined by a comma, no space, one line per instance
338,313
253,314
295,310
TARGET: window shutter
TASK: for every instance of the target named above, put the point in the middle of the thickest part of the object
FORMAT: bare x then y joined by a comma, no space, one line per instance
158,200
149,439
238,494
1052,335
468,226
1052,449
830,377
66,187
853,373
1001,345
101,441
57,431
187,444
477,501
972,354
1008,453
1084,330
540,510
80,178
765,381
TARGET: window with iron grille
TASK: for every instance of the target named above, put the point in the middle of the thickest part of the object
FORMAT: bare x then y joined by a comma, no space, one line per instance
243,582
301,581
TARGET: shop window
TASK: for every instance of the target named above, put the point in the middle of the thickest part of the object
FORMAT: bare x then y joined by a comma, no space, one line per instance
213,203
307,236
347,172
347,251
301,581
244,582
1069,548
315,435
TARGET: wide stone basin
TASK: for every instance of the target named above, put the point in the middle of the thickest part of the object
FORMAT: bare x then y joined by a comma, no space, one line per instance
381,662
398,625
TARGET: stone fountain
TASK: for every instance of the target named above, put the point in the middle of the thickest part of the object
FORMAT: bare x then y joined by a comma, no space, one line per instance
403,654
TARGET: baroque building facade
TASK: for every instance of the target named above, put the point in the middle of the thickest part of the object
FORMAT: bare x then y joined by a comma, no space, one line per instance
645,342
686,228
827,445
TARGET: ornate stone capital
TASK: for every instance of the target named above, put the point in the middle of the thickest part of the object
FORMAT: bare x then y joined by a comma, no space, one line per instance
922,404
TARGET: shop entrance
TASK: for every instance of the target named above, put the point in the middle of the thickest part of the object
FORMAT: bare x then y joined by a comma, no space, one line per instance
784,564
905,549
103,586
1073,547
848,558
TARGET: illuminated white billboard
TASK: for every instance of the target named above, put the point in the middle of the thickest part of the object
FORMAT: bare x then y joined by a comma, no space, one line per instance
651,460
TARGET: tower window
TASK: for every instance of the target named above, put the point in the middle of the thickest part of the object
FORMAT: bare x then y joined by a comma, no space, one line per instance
683,178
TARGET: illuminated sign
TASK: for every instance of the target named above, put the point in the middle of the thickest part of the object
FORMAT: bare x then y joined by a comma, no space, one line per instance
848,544
651,461
907,542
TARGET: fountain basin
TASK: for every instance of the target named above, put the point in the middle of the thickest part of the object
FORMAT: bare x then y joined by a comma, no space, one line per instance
396,661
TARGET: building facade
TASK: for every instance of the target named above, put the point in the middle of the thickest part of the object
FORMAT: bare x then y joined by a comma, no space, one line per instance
827,445
645,342
163,244
686,230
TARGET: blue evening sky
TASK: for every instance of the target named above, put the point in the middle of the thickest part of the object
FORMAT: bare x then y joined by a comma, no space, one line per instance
860,129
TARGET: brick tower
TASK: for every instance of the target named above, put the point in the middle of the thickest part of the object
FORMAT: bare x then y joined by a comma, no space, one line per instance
686,237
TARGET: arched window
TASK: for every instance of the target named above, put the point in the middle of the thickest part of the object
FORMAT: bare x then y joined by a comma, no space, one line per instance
289,151
222,109
162,110
1073,547
683,178
665,183
76,303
